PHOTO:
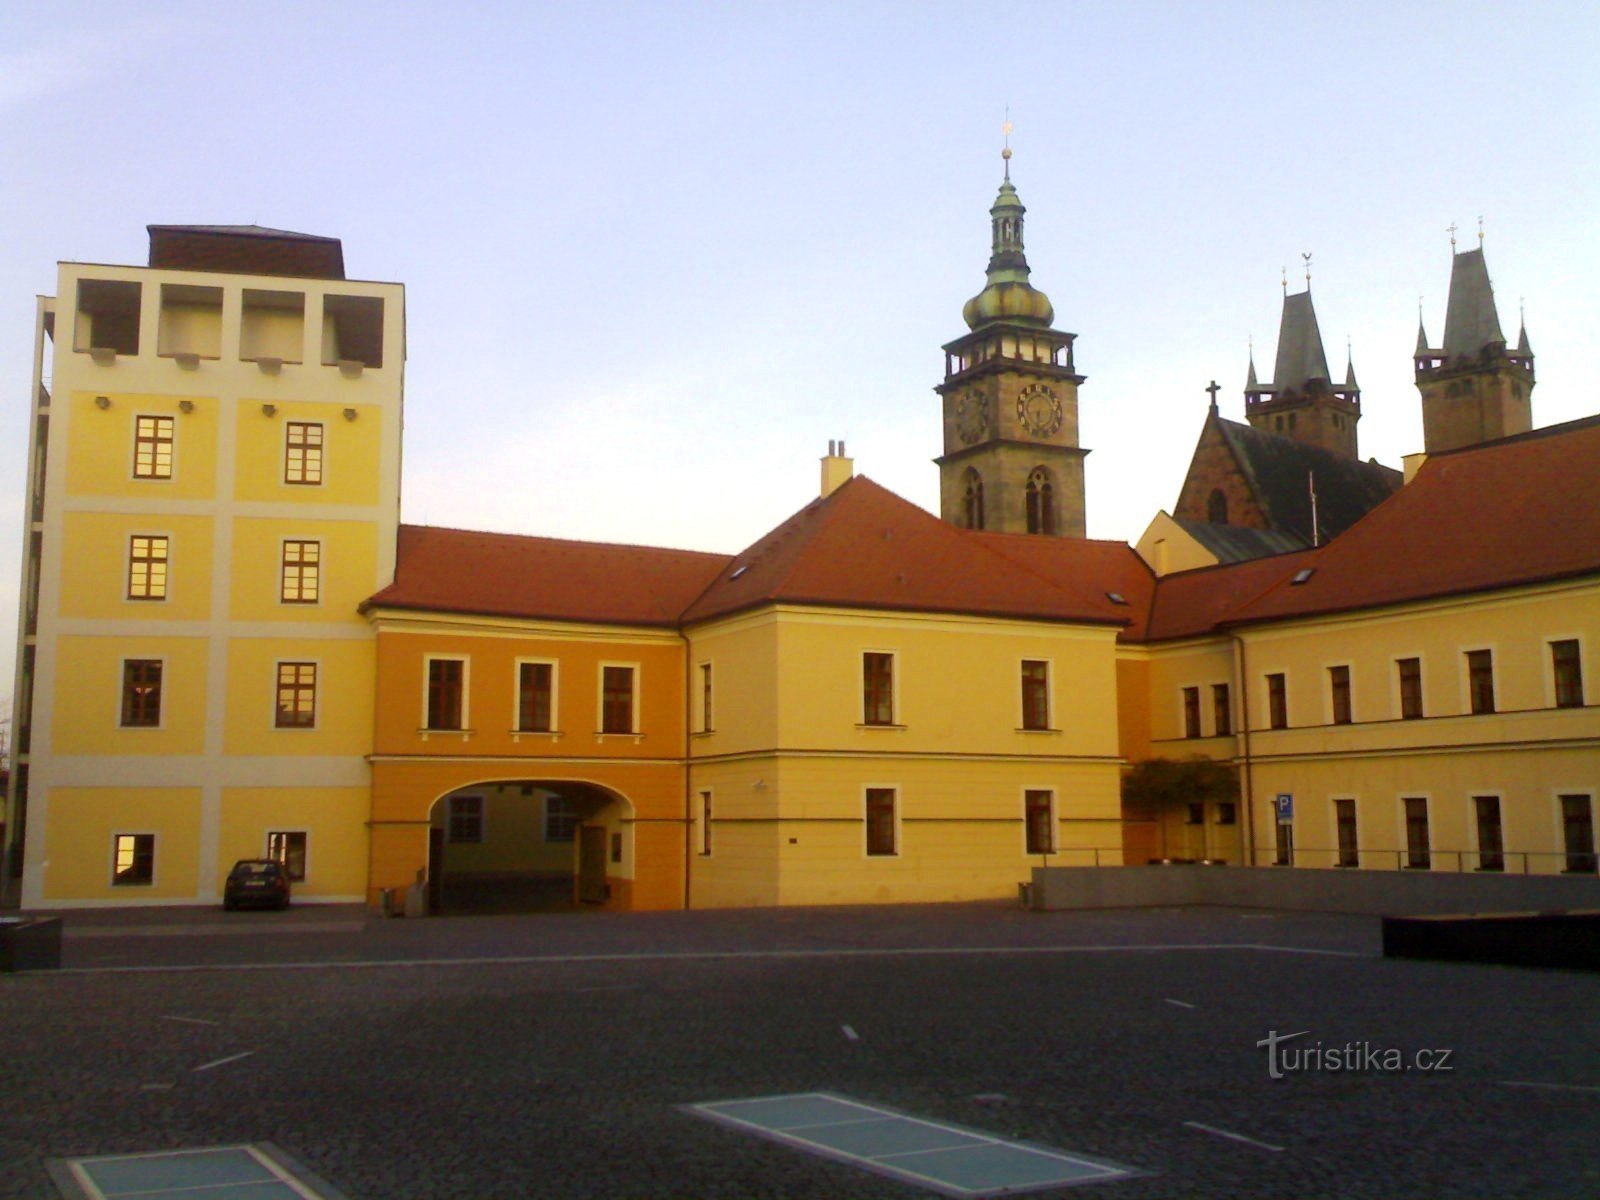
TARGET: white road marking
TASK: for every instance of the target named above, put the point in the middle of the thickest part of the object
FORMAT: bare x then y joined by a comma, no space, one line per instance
850,1033
218,1062
1552,1087
189,1020
517,960
1233,1137
1179,1003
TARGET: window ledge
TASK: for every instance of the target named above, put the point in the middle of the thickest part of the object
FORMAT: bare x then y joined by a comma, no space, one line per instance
702,733
552,735
464,734
601,736
879,725
1027,729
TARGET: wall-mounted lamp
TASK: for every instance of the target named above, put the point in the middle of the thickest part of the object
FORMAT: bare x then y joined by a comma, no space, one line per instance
350,414
759,785
102,402
269,410
186,406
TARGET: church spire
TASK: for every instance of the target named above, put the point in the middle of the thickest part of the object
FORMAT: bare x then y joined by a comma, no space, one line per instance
1008,296
1470,321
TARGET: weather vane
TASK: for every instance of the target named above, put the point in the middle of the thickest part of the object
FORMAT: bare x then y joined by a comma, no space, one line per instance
1307,256
1285,271
1005,152
1480,233
1452,235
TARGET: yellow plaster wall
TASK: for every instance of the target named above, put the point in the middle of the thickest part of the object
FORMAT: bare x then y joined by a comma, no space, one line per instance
334,820
94,577
350,452
79,841
344,696
100,450
1200,664
88,696
744,658
349,568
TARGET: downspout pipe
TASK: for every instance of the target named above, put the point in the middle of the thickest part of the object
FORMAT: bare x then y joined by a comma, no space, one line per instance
1244,745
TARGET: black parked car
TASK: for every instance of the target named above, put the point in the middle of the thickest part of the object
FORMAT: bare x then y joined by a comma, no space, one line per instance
256,881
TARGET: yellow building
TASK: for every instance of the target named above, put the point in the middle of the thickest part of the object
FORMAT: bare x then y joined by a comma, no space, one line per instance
214,476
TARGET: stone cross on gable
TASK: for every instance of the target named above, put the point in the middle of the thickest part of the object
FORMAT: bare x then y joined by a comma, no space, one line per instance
1214,389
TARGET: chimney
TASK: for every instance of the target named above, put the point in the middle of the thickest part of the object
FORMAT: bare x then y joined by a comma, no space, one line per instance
837,470
1412,464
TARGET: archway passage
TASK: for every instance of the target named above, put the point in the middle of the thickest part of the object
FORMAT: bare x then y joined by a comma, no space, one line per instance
528,845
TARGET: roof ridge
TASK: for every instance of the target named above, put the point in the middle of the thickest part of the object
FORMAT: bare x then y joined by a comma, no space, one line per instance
540,537
1527,435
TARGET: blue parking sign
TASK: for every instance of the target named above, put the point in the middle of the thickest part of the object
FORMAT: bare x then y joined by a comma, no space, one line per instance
1283,802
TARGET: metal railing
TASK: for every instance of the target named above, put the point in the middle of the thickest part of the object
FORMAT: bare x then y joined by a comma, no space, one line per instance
1505,862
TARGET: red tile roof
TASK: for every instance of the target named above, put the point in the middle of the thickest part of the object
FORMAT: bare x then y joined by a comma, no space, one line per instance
1517,511
507,575
1193,603
1091,571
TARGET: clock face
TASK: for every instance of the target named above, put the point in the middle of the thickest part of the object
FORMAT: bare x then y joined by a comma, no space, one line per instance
972,415
1039,410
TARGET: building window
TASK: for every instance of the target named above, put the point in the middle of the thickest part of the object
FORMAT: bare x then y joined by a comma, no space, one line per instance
1035,694
1410,688
289,850
1191,712
705,824
536,683
1567,662
880,821
1577,832
1221,710
1284,846
133,860
1344,817
1418,857
302,452
972,499
560,819
616,847
446,692
1480,680
1227,812
1041,502
1217,507
147,567
152,447
616,701
705,697
1278,701
877,682
1195,814
1039,818
466,819
1339,688
141,692
1491,843
297,695
300,574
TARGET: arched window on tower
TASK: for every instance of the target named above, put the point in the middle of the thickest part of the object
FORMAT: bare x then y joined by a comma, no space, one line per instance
972,498
1041,502
1217,508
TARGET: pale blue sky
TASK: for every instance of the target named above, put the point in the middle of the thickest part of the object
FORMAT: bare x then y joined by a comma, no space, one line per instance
656,256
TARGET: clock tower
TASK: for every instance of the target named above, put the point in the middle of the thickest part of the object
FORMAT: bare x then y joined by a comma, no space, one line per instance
1011,458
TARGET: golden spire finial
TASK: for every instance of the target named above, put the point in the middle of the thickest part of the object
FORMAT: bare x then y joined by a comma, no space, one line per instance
1452,235
1285,271
1005,151
1306,254
1480,233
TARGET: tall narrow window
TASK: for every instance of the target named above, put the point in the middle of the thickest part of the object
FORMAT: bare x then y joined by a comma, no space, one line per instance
880,821
1566,661
1191,712
705,823
972,499
147,567
300,574
877,685
1221,710
535,690
141,692
297,695
1577,831
1039,816
302,452
1041,504
1418,854
289,849
152,447
1491,843
1217,507
466,819
1480,680
1344,816
1278,701
616,705
1339,687
133,861
1035,694
446,680
1410,670
705,698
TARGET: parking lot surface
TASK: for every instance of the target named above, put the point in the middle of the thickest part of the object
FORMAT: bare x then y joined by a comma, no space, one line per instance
561,1055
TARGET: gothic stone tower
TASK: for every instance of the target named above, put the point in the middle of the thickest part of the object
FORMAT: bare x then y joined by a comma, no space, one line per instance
1473,388
1301,402
1011,458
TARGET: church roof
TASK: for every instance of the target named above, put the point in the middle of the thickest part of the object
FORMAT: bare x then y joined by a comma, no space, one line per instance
1236,543
509,575
1300,355
865,547
1279,470
1470,321
1194,603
